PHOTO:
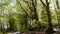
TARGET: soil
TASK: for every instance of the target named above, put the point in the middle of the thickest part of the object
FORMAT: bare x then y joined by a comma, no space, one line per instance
40,33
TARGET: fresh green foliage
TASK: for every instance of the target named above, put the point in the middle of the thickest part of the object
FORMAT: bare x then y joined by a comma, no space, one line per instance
28,15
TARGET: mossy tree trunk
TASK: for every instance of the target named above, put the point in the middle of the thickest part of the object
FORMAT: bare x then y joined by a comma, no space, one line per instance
50,28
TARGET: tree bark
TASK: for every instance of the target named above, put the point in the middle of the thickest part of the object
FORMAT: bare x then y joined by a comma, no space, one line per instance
50,28
34,4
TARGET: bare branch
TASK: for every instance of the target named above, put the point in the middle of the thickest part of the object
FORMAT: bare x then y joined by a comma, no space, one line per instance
43,3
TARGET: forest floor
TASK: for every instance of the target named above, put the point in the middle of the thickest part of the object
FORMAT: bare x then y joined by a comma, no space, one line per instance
40,33
57,31
35,32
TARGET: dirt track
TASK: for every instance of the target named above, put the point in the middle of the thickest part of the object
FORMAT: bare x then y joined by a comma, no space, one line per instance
40,33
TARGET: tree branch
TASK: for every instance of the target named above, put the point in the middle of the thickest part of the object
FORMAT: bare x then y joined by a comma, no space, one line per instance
57,4
23,9
42,3
28,5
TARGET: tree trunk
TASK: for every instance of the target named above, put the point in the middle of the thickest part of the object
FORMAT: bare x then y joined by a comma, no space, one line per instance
34,4
50,28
